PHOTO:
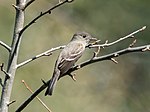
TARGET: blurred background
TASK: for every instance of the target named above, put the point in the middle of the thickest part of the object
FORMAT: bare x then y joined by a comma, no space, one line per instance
100,87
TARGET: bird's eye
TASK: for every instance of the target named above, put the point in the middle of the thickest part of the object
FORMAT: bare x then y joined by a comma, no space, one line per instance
84,36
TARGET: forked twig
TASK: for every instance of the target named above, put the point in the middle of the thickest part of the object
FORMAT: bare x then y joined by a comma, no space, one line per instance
46,53
44,13
106,44
5,46
36,96
2,69
131,35
27,101
133,43
113,55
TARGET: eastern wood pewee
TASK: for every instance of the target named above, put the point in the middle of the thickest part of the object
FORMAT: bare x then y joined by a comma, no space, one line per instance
68,56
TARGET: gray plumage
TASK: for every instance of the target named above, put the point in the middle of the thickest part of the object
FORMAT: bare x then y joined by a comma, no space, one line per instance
67,58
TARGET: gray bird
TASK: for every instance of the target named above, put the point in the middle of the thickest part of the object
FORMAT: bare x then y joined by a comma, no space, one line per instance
68,56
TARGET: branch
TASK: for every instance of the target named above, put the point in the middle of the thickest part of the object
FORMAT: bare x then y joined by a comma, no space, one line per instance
88,62
46,53
24,6
25,103
44,13
1,83
11,102
5,46
13,57
112,55
131,35
2,69
29,2
36,96
106,44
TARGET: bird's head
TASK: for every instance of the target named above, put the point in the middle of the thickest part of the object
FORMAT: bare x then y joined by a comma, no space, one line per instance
83,36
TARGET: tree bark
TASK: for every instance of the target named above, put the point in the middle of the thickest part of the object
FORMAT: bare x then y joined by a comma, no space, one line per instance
13,57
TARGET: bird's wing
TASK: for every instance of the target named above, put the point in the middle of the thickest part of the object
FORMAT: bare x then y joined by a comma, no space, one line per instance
75,52
69,56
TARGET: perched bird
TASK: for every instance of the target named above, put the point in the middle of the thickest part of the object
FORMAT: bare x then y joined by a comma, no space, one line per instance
68,56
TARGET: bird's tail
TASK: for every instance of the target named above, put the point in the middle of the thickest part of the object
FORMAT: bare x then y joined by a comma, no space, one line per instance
52,83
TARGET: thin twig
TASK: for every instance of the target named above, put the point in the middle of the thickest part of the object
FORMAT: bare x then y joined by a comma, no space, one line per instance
36,96
5,46
29,2
95,54
115,61
146,49
106,44
112,55
1,83
25,103
44,13
11,102
88,62
46,53
133,43
16,7
2,69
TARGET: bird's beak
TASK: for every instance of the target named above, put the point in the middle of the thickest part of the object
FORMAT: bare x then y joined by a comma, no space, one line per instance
93,40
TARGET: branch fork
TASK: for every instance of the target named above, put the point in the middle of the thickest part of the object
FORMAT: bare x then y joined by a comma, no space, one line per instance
2,69
146,49
11,102
107,44
28,88
5,46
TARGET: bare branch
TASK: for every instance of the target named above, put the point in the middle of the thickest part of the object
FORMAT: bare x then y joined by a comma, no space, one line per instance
115,61
44,13
146,49
131,35
133,43
16,7
25,103
112,55
11,102
5,46
36,96
13,57
96,52
88,62
1,83
29,2
46,53
2,69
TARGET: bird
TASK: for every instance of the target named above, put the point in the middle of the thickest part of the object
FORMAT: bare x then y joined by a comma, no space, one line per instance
68,57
